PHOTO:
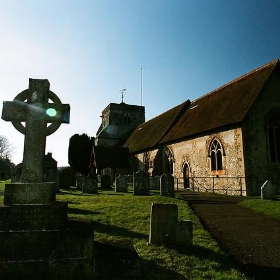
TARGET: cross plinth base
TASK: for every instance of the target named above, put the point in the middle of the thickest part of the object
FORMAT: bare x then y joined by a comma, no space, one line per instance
38,240
29,193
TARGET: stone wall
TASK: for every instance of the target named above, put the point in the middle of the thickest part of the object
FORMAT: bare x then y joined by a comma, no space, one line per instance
195,153
256,148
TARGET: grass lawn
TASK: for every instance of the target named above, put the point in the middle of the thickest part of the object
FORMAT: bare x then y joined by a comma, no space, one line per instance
119,216
267,207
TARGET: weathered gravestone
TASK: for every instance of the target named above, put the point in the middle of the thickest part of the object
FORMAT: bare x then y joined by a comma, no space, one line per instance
155,183
141,183
185,233
121,184
268,190
167,185
90,185
66,177
37,238
165,229
105,182
163,224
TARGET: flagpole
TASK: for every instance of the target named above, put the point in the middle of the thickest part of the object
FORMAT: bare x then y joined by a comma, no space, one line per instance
141,86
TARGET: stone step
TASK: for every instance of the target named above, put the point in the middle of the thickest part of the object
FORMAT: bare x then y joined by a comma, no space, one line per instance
33,217
74,242
70,269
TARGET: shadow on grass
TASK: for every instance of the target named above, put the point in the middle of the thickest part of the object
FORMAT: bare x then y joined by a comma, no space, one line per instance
70,192
117,231
81,211
117,260
205,253
152,271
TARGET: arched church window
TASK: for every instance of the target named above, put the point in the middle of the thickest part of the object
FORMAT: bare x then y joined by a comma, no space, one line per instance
273,131
126,119
216,155
146,160
170,160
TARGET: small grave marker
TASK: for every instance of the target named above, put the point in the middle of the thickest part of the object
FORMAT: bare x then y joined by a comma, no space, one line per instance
141,183
155,183
167,185
163,224
121,184
268,190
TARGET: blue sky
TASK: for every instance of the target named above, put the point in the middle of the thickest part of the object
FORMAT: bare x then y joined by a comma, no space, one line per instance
90,49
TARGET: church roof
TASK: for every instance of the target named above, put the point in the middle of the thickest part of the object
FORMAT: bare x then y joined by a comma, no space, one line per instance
225,106
222,107
150,133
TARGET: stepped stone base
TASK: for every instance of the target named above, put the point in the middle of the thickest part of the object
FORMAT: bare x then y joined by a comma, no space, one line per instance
38,241
29,193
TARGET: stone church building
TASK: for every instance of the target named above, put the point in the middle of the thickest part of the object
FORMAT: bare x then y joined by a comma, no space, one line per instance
226,141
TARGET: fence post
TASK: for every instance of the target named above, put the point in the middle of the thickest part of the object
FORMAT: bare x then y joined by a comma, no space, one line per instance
240,186
213,184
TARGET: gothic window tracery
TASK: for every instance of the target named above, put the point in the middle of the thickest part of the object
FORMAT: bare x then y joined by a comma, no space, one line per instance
146,160
170,160
216,155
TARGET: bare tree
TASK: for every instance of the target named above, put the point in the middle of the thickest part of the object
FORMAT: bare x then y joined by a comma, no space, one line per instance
6,148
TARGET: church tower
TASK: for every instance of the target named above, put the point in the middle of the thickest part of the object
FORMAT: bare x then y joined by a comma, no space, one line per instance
118,122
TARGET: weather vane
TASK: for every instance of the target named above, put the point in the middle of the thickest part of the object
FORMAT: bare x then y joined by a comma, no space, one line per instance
123,91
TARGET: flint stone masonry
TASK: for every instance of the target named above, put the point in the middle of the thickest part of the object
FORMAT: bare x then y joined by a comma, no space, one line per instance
268,190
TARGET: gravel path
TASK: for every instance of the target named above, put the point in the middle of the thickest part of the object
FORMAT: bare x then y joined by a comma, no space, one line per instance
253,240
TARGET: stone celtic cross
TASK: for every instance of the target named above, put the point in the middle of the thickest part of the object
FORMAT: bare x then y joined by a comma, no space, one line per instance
32,106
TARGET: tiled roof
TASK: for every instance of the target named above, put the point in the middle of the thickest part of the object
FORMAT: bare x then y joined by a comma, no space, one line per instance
149,134
222,107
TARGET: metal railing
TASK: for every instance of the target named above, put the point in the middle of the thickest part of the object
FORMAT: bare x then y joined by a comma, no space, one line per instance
222,185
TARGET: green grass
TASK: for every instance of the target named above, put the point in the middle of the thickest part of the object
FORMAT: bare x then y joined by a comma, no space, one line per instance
119,216
267,207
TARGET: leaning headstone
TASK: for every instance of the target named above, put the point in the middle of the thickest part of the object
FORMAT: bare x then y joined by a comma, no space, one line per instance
167,185
155,183
268,190
141,183
185,233
163,224
105,182
90,185
121,184
37,238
